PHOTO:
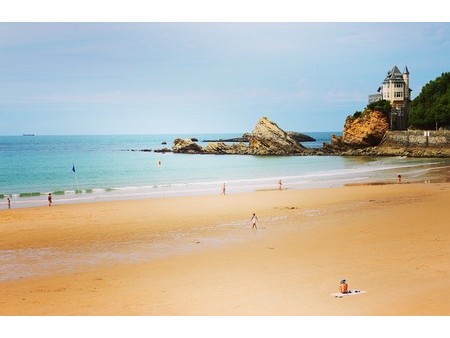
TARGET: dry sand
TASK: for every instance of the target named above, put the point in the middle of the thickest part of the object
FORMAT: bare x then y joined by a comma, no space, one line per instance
199,256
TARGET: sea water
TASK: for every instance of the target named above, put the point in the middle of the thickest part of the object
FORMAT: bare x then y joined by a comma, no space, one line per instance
96,168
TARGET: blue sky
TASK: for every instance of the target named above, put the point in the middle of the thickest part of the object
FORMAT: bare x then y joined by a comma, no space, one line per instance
126,78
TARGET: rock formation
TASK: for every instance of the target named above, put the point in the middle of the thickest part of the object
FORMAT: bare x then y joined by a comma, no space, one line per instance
243,138
186,146
266,139
361,137
164,150
366,130
299,137
222,148
269,139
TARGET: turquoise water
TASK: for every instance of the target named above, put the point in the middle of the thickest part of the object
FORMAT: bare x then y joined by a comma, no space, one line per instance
106,168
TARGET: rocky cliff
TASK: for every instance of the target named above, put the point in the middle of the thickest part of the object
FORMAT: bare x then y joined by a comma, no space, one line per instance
366,130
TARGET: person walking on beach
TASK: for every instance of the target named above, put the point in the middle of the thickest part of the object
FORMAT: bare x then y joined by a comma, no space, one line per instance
9,203
223,189
50,200
254,219
280,185
399,178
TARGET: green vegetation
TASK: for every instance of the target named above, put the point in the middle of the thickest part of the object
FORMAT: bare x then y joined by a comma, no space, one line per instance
382,106
354,116
357,114
431,109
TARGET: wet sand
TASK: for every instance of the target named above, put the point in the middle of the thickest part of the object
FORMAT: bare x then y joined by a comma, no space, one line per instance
199,256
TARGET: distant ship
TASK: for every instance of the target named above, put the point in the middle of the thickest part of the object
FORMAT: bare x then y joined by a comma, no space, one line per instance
28,134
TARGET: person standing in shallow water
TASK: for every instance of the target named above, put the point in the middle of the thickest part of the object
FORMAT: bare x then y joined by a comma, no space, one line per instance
50,200
254,220
9,203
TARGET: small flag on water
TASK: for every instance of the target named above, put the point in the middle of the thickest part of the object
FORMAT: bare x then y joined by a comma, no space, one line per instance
73,167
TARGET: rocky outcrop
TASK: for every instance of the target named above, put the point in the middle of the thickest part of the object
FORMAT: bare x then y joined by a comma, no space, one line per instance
244,138
361,137
186,146
337,144
222,148
266,139
300,137
366,130
163,150
269,139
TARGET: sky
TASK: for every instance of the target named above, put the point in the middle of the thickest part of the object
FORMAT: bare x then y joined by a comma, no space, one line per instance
204,77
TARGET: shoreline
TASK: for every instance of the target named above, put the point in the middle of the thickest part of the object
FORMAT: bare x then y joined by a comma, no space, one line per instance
167,256
429,173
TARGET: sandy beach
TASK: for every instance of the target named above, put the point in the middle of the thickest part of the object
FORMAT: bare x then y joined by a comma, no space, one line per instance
198,255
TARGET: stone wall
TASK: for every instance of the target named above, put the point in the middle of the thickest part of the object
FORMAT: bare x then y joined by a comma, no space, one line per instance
417,138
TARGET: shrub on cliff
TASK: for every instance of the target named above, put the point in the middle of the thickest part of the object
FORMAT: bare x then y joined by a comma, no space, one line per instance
382,106
355,115
431,108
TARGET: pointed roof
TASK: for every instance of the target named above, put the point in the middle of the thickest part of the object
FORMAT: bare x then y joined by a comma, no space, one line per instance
406,71
394,75
395,70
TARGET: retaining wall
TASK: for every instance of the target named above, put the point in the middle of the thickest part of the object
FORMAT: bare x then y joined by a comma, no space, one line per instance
417,138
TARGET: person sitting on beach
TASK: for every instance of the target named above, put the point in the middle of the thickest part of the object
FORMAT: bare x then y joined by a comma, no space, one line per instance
343,287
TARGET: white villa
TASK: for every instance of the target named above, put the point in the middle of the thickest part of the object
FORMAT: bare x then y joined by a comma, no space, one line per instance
395,89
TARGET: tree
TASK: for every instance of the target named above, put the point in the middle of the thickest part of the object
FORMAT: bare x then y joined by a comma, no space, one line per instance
431,108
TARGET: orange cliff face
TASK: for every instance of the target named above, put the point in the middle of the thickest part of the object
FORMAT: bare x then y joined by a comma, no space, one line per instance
366,130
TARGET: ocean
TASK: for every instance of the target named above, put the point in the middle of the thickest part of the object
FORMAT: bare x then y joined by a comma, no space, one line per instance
112,168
